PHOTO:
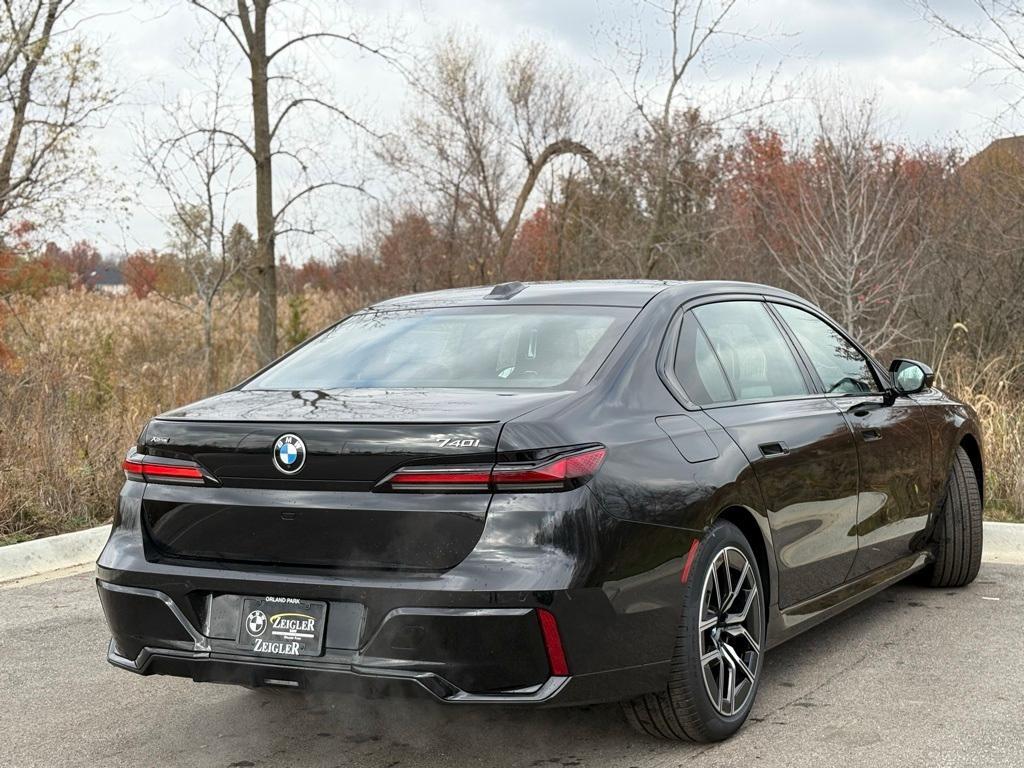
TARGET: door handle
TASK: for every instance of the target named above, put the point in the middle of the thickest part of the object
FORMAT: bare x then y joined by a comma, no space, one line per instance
864,408
871,434
768,450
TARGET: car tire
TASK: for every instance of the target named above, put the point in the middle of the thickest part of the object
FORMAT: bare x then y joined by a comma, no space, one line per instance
691,708
958,529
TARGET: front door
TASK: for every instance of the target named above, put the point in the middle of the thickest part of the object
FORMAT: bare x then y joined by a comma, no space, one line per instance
895,465
799,445
893,448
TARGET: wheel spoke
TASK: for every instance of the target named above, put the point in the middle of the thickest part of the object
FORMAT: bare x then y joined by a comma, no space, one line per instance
739,618
723,672
709,617
734,592
741,631
727,689
728,578
718,587
728,652
707,658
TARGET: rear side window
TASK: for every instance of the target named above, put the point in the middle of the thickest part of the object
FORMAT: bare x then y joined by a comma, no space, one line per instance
697,368
840,365
757,362
522,347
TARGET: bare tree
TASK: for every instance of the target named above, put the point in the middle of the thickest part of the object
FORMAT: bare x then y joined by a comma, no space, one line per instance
618,207
547,107
998,32
984,224
847,225
264,33
200,172
978,247
657,91
482,136
51,90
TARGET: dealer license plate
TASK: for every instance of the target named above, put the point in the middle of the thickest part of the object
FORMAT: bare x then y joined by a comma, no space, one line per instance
282,626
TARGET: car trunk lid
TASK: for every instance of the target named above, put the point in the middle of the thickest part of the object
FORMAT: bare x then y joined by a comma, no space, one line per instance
327,514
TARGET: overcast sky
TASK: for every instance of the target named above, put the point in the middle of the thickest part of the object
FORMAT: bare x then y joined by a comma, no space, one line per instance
926,84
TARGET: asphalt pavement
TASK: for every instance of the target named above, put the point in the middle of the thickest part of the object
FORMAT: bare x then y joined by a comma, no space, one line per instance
912,677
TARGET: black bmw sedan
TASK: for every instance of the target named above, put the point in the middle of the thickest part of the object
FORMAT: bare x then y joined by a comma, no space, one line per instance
540,494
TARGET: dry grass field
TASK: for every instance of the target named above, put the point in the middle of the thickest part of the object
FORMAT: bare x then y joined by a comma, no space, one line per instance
89,370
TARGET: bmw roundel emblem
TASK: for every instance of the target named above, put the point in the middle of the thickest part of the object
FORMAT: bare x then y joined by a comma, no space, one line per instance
255,623
289,454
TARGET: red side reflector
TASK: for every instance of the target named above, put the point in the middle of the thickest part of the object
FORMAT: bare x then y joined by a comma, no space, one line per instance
553,643
689,562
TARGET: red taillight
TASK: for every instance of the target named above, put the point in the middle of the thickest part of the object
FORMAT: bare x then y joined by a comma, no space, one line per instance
132,467
559,474
175,471
139,467
556,475
553,643
428,479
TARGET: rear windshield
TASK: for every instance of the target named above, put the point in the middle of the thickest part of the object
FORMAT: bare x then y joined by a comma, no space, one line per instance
524,347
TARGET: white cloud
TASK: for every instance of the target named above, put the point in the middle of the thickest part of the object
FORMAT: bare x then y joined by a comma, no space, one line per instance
924,81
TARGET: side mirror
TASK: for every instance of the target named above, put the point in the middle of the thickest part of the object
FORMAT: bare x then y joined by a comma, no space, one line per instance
910,376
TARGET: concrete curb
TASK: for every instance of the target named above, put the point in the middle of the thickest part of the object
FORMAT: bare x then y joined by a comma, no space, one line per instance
1004,543
31,558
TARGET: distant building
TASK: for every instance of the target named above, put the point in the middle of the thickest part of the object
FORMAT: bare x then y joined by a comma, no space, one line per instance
1004,155
107,279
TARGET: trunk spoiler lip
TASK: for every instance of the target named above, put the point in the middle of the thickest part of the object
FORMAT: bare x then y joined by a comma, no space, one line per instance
341,422
475,406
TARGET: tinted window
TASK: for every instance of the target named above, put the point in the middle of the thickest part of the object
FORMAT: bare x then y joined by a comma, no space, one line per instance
466,347
840,365
697,368
754,355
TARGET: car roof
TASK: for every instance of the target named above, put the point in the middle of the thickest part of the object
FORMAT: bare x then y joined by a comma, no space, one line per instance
615,293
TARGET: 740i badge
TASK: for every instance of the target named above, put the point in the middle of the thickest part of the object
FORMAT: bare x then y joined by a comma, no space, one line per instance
451,441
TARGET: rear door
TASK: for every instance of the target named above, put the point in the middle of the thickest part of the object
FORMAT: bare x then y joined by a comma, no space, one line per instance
735,361
893,444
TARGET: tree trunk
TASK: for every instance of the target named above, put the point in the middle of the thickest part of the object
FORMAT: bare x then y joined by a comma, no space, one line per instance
551,151
21,102
649,252
266,264
208,360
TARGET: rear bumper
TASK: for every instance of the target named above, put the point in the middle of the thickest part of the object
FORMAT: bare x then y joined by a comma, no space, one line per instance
367,681
373,683
152,635
470,634
213,660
